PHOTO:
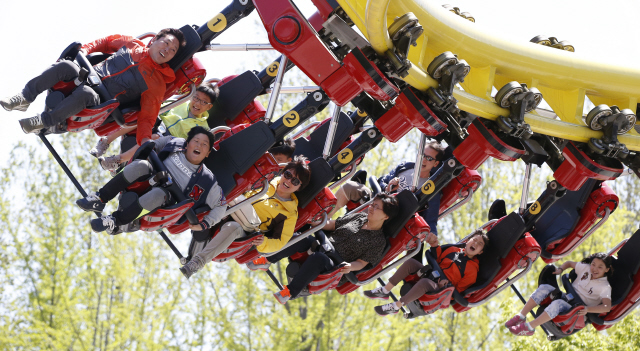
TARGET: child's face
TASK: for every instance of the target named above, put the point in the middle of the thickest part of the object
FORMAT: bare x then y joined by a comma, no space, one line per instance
198,149
200,103
474,246
282,158
598,268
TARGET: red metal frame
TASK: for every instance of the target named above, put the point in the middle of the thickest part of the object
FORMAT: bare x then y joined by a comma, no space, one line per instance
459,187
577,167
482,143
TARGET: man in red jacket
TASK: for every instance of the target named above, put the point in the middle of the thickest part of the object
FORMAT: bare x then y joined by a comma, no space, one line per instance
132,72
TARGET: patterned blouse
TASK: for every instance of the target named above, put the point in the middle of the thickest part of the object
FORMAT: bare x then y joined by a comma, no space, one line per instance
354,243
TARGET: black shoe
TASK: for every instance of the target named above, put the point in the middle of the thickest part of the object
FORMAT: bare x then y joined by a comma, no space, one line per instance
389,308
189,269
104,223
91,203
377,294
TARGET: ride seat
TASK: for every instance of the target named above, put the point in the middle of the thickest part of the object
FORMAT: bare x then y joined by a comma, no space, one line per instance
313,146
235,95
569,322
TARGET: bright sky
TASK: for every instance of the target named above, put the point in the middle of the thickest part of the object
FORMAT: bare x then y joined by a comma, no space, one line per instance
35,35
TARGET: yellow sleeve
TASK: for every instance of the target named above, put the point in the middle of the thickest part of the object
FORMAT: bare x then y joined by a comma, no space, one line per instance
278,241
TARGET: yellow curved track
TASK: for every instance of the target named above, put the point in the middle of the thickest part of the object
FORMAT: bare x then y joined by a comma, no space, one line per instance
564,78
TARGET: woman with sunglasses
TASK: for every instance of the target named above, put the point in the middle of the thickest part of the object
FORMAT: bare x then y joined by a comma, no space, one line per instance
278,212
358,241
178,121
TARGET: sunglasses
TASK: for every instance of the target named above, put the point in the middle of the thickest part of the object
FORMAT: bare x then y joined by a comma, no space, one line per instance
429,158
288,176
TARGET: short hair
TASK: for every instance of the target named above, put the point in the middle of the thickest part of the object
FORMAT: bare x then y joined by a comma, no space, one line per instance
484,236
210,90
286,147
303,172
608,261
201,130
176,33
436,146
390,205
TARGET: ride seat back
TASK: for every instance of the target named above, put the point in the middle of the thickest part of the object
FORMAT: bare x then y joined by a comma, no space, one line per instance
312,148
238,153
234,96
502,238
625,267
321,175
560,219
194,43
408,204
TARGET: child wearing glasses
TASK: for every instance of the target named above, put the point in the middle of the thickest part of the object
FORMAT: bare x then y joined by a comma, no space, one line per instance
178,121
278,212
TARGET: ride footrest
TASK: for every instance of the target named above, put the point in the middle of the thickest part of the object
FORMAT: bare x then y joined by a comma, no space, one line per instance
577,167
482,142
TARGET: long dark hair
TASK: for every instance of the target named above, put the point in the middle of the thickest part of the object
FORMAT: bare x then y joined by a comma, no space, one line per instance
608,262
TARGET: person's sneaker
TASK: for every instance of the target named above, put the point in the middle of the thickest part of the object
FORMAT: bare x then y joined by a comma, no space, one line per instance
91,203
110,163
517,319
377,294
283,295
16,102
189,269
32,124
259,263
521,330
104,223
389,308
100,148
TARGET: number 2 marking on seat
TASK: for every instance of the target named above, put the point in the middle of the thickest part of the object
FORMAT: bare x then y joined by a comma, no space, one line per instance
428,187
535,208
345,156
272,70
291,119
218,23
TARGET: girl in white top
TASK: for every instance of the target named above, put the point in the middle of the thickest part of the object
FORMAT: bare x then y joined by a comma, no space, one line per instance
591,284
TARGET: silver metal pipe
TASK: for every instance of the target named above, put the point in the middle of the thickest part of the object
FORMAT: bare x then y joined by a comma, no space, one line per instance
238,47
607,211
146,35
247,202
344,179
504,286
180,101
457,204
333,125
219,129
388,268
617,247
612,322
297,239
305,129
525,188
295,90
273,99
418,165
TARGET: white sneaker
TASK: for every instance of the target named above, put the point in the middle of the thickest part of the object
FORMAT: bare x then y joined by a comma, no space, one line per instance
110,163
100,148
16,102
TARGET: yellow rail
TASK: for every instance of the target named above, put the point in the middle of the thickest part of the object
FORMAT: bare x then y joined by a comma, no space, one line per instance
564,78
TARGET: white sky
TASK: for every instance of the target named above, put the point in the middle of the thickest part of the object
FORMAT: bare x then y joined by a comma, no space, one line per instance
36,32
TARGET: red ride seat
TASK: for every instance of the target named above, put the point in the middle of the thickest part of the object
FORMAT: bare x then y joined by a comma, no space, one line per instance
625,284
458,188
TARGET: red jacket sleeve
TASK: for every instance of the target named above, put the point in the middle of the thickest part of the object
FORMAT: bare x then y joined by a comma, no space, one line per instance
107,45
149,107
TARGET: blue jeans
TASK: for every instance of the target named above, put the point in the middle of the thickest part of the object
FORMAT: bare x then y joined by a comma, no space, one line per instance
556,307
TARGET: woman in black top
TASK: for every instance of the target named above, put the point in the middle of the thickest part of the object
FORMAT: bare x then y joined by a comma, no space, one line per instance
357,238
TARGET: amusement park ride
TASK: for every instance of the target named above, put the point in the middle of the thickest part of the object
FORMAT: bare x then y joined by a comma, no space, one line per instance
408,64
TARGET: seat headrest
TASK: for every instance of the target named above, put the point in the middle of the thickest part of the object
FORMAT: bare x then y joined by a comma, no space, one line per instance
628,257
194,43
408,204
504,235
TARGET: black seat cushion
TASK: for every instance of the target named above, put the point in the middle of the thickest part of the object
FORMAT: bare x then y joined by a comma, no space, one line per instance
625,267
234,96
313,147
321,175
502,238
238,153
560,219
193,45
